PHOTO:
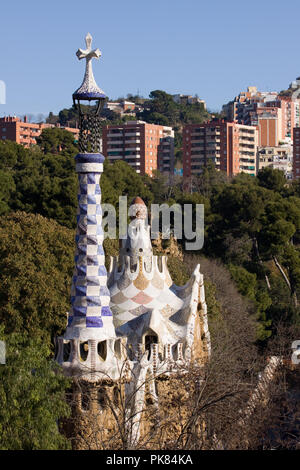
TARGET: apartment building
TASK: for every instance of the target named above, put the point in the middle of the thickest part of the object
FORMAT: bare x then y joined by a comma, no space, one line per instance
25,133
188,99
269,121
289,114
231,147
145,147
296,152
274,114
122,107
278,158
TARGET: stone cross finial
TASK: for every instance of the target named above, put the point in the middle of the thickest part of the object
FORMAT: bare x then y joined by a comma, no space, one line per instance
89,88
88,53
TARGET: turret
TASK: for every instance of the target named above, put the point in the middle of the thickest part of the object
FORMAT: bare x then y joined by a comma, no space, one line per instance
88,346
138,242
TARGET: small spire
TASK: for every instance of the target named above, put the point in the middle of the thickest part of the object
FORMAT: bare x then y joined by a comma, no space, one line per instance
89,88
138,209
138,241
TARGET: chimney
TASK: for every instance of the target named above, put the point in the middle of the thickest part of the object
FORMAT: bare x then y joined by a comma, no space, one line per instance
25,118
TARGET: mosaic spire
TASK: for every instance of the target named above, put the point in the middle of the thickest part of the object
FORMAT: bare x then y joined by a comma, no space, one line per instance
90,315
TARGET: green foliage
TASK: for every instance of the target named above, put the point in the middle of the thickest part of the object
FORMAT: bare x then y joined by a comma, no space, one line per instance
177,271
119,179
36,264
210,182
7,187
245,281
161,109
32,396
271,179
248,286
55,141
37,182
281,310
262,211
68,116
214,308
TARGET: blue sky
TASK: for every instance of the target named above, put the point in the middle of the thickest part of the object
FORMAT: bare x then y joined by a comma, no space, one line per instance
211,48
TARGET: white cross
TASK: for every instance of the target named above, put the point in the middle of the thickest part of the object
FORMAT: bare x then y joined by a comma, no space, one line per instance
89,85
88,53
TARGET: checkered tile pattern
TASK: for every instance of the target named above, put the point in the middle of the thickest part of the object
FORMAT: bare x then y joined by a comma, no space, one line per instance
129,302
90,296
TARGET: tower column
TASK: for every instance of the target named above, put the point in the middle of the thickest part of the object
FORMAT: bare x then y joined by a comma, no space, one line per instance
90,316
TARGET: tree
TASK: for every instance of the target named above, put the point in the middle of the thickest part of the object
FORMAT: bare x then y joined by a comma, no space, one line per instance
55,140
36,264
271,179
7,187
32,396
119,179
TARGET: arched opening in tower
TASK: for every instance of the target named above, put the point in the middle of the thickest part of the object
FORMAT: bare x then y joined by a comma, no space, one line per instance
102,350
84,350
150,338
66,350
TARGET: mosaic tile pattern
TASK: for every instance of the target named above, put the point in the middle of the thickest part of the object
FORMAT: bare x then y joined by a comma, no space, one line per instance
144,298
133,295
90,296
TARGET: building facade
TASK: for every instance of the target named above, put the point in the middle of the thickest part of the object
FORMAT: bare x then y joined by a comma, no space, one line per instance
229,146
296,152
275,114
145,147
188,99
25,133
122,107
269,121
278,158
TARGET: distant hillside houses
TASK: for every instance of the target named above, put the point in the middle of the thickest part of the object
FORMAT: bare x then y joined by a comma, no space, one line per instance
188,99
123,107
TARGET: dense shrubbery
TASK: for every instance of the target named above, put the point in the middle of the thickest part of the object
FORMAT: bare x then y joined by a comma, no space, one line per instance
32,396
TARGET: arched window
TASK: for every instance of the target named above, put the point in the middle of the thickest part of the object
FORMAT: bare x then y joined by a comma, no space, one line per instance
159,264
117,348
149,339
175,352
84,350
66,351
102,350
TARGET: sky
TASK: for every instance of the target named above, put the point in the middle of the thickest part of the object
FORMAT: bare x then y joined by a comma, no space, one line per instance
212,48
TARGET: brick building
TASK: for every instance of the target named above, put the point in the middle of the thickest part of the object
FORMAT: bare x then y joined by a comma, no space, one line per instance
231,147
122,107
269,121
274,114
278,158
25,133
296,152
145,147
